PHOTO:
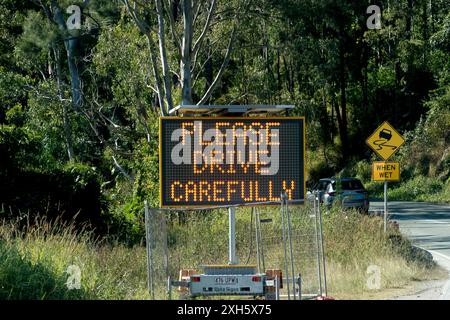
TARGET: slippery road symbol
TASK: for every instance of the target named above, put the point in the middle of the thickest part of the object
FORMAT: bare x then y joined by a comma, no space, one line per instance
385,140
385,135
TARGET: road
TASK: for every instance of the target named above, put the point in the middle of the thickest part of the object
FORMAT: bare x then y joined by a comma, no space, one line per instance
427,225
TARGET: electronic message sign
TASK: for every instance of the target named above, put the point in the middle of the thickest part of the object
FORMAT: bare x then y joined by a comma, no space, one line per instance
208,161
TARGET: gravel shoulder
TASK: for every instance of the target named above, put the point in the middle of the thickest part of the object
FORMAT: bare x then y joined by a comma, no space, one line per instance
432,289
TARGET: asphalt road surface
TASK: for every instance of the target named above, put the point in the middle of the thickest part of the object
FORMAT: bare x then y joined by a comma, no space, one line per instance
427,225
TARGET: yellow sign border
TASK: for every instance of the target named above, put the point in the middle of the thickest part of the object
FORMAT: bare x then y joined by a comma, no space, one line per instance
376,130
386,162
226,118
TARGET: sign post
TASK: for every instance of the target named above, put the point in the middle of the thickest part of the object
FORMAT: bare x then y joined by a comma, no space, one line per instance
232,236
385,205
385,141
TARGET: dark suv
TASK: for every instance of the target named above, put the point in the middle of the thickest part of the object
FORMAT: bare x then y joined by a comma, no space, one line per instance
349,192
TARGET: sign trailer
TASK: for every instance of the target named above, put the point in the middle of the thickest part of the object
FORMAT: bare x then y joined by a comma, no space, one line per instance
222,161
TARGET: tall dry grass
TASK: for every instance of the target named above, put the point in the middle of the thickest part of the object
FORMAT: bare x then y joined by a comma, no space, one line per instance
35,255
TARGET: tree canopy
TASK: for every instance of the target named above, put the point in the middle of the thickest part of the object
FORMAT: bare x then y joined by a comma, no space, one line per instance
80,102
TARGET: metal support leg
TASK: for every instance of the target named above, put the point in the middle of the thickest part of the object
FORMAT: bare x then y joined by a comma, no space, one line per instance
277,288
261,246
286,263
169,288
319,268
288,214
148,243
163,228
322,250
258,253
299,283
232,236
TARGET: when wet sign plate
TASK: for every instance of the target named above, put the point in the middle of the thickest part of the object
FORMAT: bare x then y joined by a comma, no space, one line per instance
386,171
207,161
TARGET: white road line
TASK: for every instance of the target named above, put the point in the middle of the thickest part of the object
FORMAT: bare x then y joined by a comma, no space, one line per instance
440,254
433,221
443,259
443,295
445,290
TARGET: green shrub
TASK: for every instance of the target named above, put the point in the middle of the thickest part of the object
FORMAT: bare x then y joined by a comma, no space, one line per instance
126,221
24,279
16,116
363,171
73,190
421,188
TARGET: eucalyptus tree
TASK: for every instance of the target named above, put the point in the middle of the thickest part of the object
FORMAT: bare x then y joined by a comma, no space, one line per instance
55,42
177,34
70,35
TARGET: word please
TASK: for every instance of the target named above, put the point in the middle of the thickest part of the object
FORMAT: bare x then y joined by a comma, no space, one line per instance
220,148
223,191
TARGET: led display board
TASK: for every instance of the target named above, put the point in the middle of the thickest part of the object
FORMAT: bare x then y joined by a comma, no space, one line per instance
213,161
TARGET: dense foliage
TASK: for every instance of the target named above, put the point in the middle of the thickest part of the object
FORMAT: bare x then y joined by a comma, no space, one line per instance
79,107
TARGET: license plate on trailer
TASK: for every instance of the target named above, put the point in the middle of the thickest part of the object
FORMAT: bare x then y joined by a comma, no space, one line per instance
224,284
226,280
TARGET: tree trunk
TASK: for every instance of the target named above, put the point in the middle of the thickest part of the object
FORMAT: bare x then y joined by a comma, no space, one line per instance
278,76
289,84
343,133
208,72
432,14
66,120
425,31
71,46
409,19
75,81
365,85
186,49
325,123
159,89
163,55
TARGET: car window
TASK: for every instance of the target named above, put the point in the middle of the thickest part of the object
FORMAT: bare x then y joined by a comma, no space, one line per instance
350,185
322,185
329,189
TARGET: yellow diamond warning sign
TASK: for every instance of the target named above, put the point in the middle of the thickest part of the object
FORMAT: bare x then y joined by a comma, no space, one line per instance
385,141
386,171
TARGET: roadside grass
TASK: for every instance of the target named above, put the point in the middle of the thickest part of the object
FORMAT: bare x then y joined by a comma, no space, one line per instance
34,260
357,245
419,188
